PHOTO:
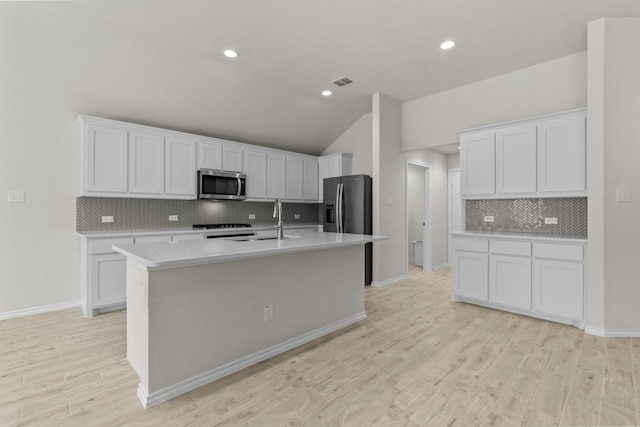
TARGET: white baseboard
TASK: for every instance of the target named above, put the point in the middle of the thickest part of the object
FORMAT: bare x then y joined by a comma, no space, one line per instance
155,398
39,310
601,332
439,266
389,281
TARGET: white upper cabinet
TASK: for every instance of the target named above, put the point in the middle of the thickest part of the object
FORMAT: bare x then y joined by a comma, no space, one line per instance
294,177
218,154
310,179
209,154
516,160
255,162
276,175
105,159
477,164
562,155
232,156
332,165
180,159
146,163
538,157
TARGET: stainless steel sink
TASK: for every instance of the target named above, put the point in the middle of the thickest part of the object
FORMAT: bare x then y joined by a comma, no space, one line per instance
253,238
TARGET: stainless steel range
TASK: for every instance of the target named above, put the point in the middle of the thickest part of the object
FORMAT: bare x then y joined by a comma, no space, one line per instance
230,227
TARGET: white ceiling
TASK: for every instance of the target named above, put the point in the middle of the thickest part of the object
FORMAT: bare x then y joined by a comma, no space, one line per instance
159,62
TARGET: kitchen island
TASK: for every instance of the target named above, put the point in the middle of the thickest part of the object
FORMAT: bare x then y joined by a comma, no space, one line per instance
200,310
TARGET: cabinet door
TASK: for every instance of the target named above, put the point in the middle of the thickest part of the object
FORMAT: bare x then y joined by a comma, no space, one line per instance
510,281
516,160
232,158
105,159
255,162
108,279
209,154
477,164
558,288
276,176
146,163
471,275
310,179
180,170
562,155
294,178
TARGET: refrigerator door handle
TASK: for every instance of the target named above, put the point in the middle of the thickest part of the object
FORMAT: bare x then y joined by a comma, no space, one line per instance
339,207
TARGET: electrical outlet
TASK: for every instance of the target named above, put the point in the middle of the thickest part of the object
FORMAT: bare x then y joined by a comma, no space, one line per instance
389,201
15,196
552,221
173,217
268,312
488,218
296,216
252,216
623,195
107,218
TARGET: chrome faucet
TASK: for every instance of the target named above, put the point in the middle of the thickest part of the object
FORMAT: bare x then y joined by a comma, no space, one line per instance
277,212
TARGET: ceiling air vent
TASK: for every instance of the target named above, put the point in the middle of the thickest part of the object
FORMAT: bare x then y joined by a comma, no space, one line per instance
342,81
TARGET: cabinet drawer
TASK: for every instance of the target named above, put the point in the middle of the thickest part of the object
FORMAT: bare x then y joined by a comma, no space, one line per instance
153,239
510,248
475,245
103,246
564,252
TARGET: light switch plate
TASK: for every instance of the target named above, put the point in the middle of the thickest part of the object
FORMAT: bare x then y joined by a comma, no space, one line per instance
389,201
252,216
551,220
488,218
296,216
173,217
15,196
623,195
106,218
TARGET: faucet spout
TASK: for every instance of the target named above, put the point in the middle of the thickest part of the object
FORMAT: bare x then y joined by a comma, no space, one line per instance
277,213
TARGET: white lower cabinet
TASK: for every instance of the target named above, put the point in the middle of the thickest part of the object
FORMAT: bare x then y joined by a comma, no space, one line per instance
104,271
510,281
537,277
558,288
470,275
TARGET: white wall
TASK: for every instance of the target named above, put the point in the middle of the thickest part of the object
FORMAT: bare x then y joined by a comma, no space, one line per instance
453,161
614,150
544,88
356,140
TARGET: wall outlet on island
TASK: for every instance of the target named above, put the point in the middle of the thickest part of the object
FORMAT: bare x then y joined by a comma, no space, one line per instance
173,217
268,312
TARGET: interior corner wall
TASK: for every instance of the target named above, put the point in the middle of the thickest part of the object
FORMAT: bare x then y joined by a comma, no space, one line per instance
613,133
389,219
39,250
543,88
357,141
415,207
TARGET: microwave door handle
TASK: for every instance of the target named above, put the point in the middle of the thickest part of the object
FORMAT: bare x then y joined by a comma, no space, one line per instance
239,187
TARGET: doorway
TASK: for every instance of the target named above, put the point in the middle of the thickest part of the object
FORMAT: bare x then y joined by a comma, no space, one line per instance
418,212
455,207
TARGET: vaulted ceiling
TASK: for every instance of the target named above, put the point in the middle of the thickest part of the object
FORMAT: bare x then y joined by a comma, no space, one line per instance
160,62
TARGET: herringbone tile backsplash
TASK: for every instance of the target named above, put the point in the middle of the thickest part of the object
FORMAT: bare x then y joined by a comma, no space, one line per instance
153,214
527,216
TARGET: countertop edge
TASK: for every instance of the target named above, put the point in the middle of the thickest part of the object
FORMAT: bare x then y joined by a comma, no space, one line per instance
132,233
578,240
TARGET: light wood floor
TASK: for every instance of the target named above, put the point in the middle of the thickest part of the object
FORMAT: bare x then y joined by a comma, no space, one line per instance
418,359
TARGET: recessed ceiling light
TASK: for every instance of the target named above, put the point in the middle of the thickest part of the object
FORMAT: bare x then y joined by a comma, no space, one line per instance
230,53
326,93
447,45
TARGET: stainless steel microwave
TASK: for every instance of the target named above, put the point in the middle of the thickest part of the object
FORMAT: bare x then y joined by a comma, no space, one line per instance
220,185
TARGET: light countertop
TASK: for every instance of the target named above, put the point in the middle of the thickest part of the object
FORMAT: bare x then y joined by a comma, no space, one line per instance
192,252
188,230
526,236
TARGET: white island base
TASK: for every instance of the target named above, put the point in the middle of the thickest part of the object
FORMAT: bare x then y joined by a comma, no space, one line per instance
190,325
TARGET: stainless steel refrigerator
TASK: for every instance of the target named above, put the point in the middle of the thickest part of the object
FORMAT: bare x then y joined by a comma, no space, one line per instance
347,209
